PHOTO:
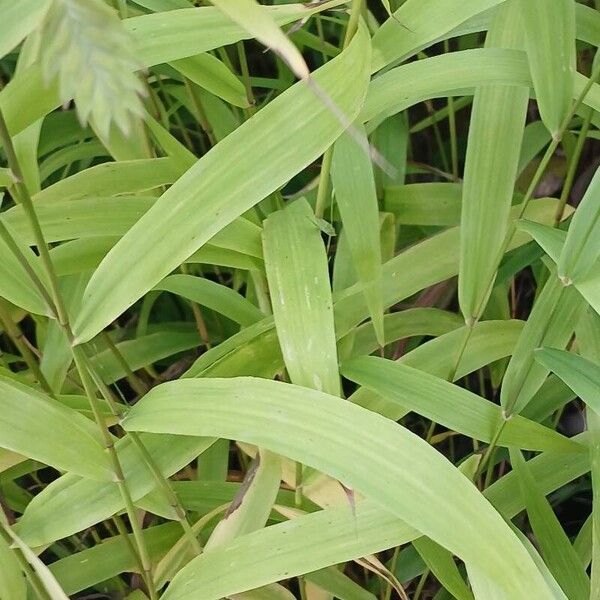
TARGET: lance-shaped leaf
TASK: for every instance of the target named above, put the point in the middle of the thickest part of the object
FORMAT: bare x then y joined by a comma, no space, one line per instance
550,41
397,469
579,373
461,410
555,546
296,264
244,168
551,323
38,427
356,197
582,246
495,133
257,21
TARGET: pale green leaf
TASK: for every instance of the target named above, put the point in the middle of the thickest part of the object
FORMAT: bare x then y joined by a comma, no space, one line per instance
582,246
554,544
354,187
257,21
235,175
289,420
296,265
461,410
550,41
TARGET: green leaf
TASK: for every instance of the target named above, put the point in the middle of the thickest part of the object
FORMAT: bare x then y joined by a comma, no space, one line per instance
425,203
582,246
223,184
217,297
166,36
356,197
461,410
71,503
495,134
579,373
209,72
289,420
257,21
296,265
47,580
550,42
551,323
455,73
443,567
38,427
558,553
250,509
419,23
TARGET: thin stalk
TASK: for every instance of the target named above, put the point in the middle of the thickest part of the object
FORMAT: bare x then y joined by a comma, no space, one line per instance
139,387
200,323
30,574
573,164
199,110
421,584
78,356
241,50
24,197
63,319
162,482
16,336
16,251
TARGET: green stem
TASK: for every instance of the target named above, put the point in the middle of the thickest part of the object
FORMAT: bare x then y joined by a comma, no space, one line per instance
16,336
573,164
30,574
63,320
79,358
139,387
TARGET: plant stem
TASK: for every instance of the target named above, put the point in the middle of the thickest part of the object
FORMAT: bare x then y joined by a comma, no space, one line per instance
16,336
30,574
63,319
573,164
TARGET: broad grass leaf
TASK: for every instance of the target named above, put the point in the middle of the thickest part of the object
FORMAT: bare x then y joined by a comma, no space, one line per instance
38,427
297,272
461,411
551,323
209,72
236,174
582,245
91,566
71,503
550,41
425,203
419,23
495,134
289,420
257,21
215,296
16,285
166,36
555,546
455,73
442,565
356,198
579,373
250,509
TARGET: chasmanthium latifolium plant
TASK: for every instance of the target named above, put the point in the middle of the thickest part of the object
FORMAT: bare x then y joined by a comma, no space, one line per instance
299,300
